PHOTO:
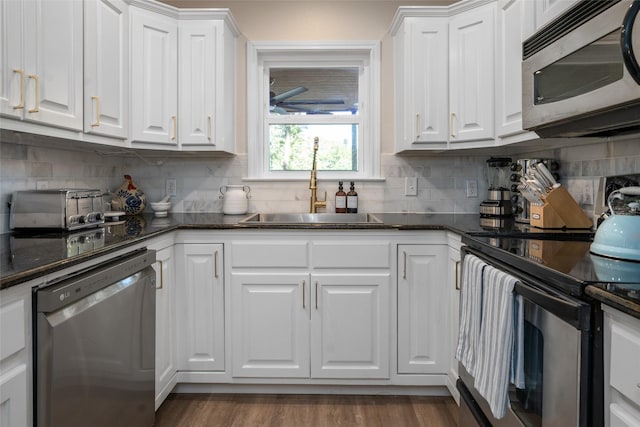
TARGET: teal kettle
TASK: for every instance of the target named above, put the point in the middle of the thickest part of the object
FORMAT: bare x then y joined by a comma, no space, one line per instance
618,236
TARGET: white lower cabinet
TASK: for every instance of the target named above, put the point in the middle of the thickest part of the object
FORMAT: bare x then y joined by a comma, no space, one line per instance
454,265
310,308
270,318
621,369
200,307
350,325
15,356
166,349
422,310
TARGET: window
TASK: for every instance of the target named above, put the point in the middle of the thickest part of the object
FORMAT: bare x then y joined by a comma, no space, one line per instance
299,91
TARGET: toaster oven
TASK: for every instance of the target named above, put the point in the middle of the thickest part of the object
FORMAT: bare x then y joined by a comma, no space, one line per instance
61,209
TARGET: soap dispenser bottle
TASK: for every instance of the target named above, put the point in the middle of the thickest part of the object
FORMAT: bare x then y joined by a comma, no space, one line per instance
341,199
352,199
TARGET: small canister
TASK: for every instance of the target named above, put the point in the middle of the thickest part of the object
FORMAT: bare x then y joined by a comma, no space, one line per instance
235,199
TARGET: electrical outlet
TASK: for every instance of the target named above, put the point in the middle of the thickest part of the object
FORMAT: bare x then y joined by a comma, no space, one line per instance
587,192
411,186
42,185
171,187
472,188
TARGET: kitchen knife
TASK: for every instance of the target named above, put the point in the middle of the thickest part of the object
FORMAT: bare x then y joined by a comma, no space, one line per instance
547,175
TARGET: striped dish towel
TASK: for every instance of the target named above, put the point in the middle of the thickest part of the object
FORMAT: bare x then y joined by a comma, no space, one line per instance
495,345
470,311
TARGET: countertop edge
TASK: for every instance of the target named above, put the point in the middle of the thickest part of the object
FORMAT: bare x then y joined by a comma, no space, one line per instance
613,300
34,273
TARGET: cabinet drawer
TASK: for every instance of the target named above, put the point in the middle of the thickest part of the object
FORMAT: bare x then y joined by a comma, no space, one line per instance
12,329
625,363
269,254
341,254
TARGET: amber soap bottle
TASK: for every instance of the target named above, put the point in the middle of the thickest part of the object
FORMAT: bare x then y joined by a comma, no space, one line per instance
341,199
352,199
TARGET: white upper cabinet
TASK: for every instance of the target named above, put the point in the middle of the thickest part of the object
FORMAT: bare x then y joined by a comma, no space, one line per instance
547,10
154,79
514,25
471,84
421,49
207,85
41,61
106,68
444,71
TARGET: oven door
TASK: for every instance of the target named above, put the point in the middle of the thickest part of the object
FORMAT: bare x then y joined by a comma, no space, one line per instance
556,363
587,70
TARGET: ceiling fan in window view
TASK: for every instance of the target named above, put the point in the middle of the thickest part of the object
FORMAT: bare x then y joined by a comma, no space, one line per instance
283,104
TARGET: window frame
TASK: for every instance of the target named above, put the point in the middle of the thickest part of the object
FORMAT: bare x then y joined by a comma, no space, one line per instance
261,56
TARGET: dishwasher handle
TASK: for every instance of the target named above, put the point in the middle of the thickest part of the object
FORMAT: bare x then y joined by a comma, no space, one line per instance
71,289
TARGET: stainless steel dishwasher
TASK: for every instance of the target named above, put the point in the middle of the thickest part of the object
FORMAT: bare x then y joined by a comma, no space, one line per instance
95,346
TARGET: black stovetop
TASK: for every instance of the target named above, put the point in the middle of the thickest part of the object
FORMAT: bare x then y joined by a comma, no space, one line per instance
563,261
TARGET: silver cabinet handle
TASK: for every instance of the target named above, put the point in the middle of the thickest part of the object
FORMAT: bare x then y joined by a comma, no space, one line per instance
453,134
316,295
418,125
174,127
404,268
209,127
457,275
215,264
304,305
161,274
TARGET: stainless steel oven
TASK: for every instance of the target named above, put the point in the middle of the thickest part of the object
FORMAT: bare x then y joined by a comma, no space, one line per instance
580,73
557,345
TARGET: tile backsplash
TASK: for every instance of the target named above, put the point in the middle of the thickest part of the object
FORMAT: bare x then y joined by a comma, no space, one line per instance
30,161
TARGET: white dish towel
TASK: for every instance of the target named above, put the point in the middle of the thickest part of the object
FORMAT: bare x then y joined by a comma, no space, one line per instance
495,355
470,311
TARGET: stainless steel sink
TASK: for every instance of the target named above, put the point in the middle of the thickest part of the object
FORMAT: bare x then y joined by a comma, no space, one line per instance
311,218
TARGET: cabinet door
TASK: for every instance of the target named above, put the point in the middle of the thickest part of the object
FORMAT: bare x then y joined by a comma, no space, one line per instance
197,82
421,80
42,61
15,355
106,67
471,85
270,324
453,290
154,78
547,10
200,309
13,397
350,325
422,315
509,67
165,324
12,72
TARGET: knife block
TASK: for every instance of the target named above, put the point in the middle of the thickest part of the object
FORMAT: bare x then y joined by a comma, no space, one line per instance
559,210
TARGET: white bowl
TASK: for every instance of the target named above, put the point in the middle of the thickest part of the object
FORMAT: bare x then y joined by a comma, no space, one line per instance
161,206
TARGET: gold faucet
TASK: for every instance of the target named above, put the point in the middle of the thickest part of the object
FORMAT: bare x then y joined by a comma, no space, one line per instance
315,203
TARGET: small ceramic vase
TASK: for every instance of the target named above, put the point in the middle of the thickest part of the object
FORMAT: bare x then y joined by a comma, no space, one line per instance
132,199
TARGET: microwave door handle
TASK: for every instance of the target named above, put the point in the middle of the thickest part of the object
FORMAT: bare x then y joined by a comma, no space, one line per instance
626,41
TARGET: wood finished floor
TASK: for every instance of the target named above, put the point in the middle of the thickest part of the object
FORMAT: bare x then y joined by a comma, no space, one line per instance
249,410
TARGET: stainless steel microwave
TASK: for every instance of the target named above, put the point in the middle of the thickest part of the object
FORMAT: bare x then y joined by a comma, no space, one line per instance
580,72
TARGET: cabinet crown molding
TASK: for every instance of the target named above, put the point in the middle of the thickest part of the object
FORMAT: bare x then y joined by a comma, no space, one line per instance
189,14
433,11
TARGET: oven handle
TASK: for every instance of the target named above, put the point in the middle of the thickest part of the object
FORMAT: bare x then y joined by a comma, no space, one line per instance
626,43
573,311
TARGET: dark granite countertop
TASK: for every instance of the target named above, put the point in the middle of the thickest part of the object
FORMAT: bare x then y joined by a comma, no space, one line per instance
25,256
